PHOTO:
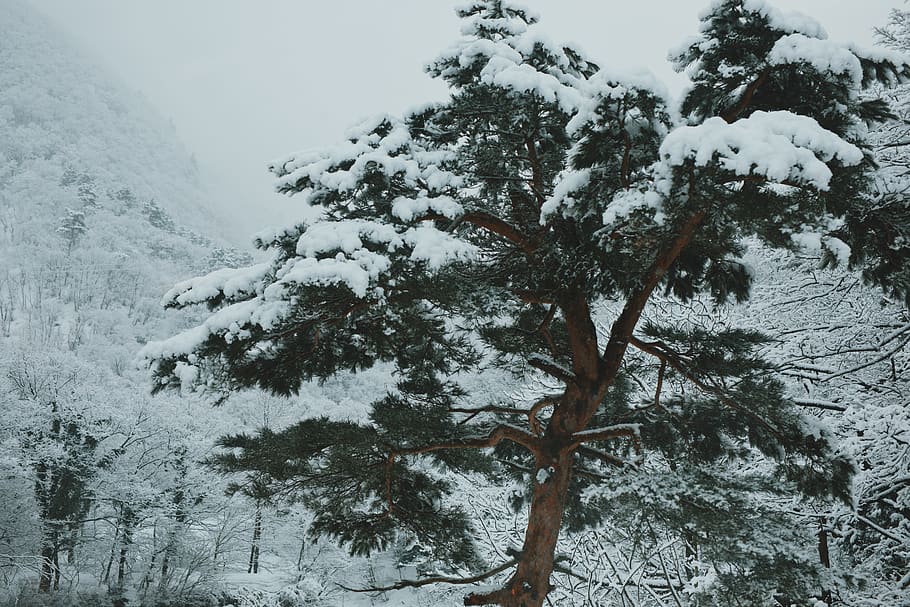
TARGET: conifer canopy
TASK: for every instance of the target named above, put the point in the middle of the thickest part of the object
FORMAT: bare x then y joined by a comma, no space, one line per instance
526,223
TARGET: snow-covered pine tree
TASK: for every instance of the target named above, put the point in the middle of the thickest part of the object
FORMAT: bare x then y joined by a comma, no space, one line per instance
72,227
493,228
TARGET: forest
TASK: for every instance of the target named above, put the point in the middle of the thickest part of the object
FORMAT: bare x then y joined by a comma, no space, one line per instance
560,338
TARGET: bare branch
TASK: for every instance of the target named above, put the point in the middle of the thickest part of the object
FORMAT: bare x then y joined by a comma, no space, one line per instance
665,355
533,422
874,361
819,404
436,580
550,367
731,114
607,433
492,224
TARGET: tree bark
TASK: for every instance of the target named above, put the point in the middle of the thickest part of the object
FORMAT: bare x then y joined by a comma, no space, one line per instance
594,373
254,547
46,577
824,555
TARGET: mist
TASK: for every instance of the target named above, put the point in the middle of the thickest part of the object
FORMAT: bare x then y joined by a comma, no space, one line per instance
247,82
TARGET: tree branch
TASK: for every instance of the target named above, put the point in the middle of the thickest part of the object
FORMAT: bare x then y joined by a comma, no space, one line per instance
436,580
475,411
603,456
621,331
550,367
874,361
731,114
533,422
544,329
497,435
607,433
492,224
664,355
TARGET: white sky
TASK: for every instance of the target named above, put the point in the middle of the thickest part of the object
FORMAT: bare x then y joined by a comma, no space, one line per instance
247,81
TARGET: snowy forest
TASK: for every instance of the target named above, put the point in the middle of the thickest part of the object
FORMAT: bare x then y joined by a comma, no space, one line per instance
560,338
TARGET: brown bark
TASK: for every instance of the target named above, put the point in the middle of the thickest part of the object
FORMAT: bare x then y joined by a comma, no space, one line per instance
593,374
530,583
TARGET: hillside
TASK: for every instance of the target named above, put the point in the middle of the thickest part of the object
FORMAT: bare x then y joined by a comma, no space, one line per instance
101,212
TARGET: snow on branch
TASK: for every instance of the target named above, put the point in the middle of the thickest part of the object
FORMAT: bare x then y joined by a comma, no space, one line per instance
499,43
551,367
608,432
380,144
230,322
232,284
823,55
780,146
790,22
473,579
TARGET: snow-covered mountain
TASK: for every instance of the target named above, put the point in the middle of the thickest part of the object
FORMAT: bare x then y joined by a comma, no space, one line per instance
100,211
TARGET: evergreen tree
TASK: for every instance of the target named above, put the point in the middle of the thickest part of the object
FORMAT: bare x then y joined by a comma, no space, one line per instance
158,217
497,228
72,227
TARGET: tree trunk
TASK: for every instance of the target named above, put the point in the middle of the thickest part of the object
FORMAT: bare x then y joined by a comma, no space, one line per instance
531,582
46,576
56,568
121,566
110,561
824,555
593,374
254,548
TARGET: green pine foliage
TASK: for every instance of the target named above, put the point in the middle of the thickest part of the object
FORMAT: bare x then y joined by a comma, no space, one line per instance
496,229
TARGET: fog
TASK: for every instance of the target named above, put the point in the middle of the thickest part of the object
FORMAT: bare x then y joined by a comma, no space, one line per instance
245,82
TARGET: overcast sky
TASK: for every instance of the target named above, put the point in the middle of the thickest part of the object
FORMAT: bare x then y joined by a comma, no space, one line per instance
247,81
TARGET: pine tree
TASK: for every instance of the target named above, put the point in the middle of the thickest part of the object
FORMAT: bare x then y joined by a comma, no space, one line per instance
498,228
72,227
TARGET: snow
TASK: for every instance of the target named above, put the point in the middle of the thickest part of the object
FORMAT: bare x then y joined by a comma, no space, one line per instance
780,146
464,9
898,61
524,78
229,322
627,201
477,24
823,55
347,236
571,182
543,475
791,22
406,209
613,84
437,248
837,247
232,283
340,169
633,428
357,271
504,62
